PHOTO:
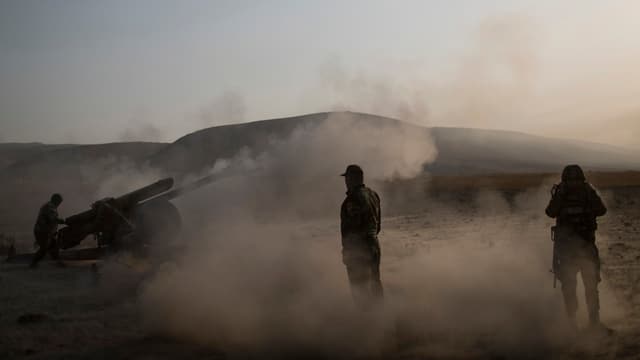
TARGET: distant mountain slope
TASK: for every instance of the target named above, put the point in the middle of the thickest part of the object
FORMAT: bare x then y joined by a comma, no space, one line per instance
40,160
493,151
11,153
200,149
460,150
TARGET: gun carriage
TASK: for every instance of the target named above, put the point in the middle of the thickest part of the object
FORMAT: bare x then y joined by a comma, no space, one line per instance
133,222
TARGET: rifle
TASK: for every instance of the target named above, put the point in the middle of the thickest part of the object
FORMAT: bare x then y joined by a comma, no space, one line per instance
555,263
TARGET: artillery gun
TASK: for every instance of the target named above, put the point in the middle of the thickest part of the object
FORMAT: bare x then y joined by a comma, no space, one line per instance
143,217
133,222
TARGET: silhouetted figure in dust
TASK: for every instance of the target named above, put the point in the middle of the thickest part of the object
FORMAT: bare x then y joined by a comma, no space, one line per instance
360,225
575,204
45,230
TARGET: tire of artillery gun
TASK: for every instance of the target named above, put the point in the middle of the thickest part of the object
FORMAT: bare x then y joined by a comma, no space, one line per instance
157,222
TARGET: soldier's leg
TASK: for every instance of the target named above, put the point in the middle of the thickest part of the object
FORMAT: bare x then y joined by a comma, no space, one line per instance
377,290
567,276
359,278
53,248
54,251
41,239
590,272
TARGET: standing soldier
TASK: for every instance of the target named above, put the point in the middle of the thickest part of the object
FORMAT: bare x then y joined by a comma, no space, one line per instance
45,230
360,225
575,204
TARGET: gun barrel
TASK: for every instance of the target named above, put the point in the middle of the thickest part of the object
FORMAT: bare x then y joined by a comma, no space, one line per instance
126,200
146,192
170,195
190,187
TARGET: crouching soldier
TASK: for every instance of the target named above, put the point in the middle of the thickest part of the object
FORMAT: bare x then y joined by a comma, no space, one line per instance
45,230
360,225
575,204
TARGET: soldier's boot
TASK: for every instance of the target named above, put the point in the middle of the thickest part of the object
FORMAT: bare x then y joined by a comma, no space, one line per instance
572,323
590,279
594,317
593,307
36,258
570,301
359,283
377,290
596,326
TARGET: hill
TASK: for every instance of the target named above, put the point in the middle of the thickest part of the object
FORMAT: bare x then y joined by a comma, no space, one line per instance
460,150
35,160
11,153
464,151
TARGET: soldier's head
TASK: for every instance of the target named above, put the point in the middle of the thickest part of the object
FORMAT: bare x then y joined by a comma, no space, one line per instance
56,199
353,176
573,175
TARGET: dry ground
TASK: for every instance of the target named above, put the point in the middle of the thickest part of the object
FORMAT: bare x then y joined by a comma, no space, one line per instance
77,312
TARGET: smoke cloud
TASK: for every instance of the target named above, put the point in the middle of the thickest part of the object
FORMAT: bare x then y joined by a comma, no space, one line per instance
495,77
512,73
265,237
141,132
392,95
227,108
262,271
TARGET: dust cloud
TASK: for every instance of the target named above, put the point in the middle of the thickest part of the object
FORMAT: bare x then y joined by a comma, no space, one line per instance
141,131
512,72
262,270
490,82
263,266
120,177
226,108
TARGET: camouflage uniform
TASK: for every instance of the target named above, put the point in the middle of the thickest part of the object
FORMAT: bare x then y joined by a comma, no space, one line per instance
44,232
575,210
360,225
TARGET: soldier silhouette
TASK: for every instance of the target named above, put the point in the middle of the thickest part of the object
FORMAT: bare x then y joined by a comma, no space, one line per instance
575,205
360,225
45,230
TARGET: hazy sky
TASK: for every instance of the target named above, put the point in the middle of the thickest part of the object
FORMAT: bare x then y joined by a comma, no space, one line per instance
95,71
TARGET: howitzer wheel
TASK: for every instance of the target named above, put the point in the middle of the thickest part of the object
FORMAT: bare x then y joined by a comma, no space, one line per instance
157,223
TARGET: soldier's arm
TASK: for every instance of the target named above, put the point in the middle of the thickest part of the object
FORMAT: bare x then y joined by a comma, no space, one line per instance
596,204
343,219
369,205
379,212
53,217
50,215
351,215
555,204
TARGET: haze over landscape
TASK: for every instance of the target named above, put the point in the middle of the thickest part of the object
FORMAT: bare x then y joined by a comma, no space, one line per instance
198,146
88,72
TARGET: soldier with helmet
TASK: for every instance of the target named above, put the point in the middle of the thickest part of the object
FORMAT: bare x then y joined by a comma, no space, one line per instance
45,230
575,205
360,225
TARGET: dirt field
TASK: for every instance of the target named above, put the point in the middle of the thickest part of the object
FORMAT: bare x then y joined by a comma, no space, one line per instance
466,276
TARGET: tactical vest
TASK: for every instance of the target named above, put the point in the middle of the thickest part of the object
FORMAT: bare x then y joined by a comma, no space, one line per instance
576,213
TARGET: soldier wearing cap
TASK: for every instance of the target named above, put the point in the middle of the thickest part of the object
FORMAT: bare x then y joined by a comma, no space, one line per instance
360,225
45,230
575,204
